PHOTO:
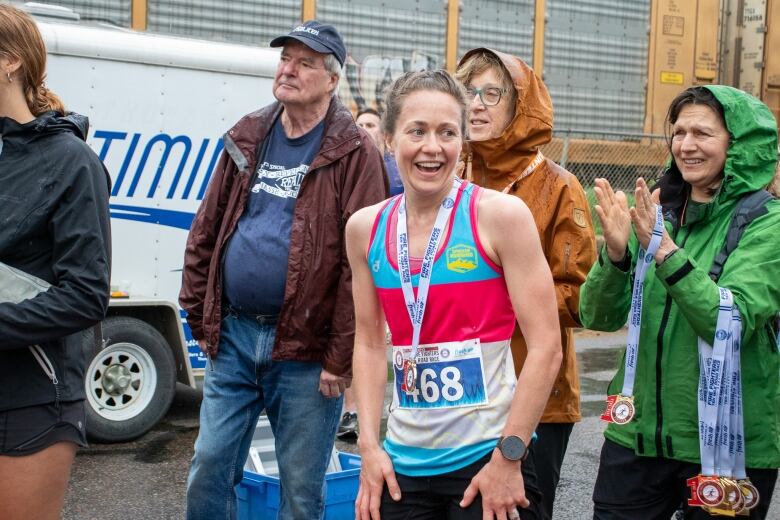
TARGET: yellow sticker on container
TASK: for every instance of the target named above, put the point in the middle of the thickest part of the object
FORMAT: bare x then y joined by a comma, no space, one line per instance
673,78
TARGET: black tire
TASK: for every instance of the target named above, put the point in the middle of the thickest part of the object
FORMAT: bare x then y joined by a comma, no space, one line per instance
130,381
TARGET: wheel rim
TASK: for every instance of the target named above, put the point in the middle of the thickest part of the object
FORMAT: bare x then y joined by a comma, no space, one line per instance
121,381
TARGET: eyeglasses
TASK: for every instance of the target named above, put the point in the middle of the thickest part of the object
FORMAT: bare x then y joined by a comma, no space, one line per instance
490,96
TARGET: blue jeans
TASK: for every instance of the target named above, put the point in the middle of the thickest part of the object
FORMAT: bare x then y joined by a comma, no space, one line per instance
240,382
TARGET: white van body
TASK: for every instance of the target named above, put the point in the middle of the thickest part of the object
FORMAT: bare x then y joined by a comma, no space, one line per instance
158,106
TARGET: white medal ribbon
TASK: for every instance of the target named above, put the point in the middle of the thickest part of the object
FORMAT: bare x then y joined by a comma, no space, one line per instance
645,258
416,307
735,409
721,437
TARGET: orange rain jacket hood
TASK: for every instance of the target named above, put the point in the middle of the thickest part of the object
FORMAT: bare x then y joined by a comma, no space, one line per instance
560,209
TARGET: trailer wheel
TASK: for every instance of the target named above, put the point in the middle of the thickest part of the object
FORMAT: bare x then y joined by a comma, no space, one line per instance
130,383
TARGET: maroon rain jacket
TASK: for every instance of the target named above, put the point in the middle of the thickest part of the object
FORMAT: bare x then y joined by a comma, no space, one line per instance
317,320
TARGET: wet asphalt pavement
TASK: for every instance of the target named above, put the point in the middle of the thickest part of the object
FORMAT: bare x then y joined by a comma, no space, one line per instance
146,479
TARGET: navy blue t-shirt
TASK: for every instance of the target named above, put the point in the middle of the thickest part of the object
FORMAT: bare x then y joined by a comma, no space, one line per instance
255,263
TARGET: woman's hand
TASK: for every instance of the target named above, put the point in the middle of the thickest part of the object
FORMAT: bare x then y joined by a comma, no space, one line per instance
643,215
612,210
375,469
500,482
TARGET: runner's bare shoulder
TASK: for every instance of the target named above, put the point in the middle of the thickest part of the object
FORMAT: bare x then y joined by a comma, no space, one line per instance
499,209
360,224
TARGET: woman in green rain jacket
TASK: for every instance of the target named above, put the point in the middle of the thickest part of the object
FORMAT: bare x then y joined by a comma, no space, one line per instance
724,146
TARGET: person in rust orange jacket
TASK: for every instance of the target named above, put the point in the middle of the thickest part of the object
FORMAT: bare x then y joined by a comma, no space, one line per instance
510,117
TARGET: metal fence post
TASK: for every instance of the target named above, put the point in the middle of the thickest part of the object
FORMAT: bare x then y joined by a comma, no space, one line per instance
565,151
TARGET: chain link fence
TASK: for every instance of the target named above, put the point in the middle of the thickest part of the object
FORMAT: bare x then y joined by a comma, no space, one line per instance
618,157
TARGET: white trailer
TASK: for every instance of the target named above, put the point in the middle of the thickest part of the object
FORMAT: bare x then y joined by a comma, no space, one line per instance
158,106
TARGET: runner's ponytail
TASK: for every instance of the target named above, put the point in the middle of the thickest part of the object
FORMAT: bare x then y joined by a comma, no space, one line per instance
41,100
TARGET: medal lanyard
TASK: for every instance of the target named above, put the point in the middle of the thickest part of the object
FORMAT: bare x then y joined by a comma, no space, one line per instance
736,411
416,307
724,447
645,258
721,441
528,171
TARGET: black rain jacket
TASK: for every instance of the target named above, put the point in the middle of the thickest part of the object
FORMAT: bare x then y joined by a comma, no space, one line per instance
54,224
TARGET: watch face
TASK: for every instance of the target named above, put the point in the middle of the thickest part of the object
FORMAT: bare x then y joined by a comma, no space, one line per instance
512,447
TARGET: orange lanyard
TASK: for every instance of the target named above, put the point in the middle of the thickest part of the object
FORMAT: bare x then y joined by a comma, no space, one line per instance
528,171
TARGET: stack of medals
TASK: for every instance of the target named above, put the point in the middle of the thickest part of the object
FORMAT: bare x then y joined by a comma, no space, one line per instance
620,408
416,306
722,488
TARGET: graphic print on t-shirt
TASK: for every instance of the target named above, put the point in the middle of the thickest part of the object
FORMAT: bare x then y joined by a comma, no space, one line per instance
255,266
275,180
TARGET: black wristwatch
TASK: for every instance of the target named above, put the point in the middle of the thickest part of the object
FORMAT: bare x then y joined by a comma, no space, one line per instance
512,448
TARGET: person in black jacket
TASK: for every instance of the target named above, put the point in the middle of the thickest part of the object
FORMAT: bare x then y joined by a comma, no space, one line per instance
54,226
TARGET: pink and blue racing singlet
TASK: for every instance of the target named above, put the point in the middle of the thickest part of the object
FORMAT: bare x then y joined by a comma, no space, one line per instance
466,377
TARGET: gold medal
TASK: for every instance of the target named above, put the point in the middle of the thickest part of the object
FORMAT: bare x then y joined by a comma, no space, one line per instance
620,409
750,493
623,410
732,498
409,384
710,491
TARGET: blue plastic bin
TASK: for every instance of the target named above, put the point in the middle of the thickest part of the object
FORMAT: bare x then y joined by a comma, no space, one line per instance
258,495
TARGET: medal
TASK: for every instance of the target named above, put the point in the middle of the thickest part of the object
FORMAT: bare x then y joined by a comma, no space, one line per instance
409,384
620,409
732,498
710,491
415,306
728,491
749,493
623,410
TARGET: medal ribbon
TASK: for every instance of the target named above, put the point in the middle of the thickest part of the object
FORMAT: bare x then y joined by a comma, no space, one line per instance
736,413
416,307
528,171
645,258
721,425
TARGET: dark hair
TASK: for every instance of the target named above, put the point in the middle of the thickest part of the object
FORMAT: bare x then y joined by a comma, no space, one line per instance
674,190
367,110
693,96
20,38
409,82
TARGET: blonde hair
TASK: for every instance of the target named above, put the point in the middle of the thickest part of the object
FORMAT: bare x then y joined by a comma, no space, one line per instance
21,39
484,60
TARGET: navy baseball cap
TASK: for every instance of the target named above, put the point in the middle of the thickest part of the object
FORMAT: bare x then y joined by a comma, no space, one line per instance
319,37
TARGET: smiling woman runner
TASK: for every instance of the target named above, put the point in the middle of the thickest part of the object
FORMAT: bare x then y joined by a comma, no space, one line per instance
460,422
54,226
699,389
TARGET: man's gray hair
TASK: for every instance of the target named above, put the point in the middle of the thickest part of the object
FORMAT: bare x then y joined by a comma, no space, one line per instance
332,64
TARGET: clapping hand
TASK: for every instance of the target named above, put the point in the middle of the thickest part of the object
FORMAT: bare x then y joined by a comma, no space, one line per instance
643,215
612,210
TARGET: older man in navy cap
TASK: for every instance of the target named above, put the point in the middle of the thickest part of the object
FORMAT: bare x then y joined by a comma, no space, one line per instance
266,283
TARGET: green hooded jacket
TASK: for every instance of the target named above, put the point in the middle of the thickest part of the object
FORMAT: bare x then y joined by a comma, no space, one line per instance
681,304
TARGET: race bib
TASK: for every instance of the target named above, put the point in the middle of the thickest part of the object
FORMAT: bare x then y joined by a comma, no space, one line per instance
448,375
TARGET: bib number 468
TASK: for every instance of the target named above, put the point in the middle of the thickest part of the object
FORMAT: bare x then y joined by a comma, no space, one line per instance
448,387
